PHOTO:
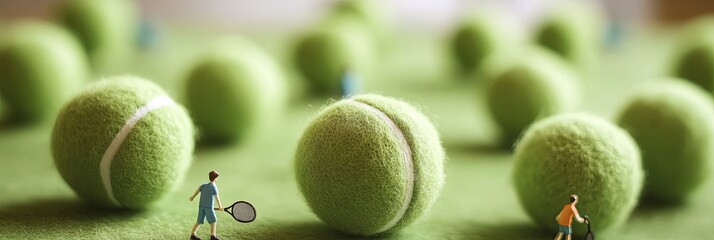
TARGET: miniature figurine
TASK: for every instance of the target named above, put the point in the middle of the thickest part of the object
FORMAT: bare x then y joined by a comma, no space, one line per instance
205,206
565,218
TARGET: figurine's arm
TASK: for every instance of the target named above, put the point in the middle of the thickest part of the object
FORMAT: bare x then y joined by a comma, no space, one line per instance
218,200
557,217
198,190
577,214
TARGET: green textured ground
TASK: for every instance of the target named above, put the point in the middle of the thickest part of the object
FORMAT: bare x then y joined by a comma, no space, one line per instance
478,201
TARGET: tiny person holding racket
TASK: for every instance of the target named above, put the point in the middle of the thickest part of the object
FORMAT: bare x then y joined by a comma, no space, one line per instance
205,206
565,218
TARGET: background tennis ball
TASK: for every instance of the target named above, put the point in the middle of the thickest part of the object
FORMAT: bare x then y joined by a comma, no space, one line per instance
370,164
574,32
41,67
122,143
476,38
323,56
370,13
538,85
233,88
106,29
696,63
581,154
672,121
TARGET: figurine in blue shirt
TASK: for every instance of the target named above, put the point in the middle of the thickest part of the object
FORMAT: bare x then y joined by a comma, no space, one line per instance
205,206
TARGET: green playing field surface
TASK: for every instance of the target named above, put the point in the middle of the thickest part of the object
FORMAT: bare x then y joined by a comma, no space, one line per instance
478,201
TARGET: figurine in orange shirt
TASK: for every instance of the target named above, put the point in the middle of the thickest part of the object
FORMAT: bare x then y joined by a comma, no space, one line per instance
565,218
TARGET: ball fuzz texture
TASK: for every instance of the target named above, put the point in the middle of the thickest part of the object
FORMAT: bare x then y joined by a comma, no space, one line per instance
122,143
577,154
233,88
41,67
672,121
536,86
370,164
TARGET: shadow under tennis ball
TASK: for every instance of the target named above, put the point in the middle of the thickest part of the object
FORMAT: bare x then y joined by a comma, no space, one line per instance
61,213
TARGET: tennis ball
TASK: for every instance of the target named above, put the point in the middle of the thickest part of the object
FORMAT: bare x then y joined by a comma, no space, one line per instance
476,38
537,85
696,63
323,56
122,143
232,89
369,165
672,121
106,28
367,12
579,154
574,32
41,67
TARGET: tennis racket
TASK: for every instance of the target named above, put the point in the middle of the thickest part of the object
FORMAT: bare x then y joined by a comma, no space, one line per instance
241,211
589,235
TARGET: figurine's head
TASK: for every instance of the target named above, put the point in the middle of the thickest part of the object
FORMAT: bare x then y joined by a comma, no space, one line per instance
212,175
573,198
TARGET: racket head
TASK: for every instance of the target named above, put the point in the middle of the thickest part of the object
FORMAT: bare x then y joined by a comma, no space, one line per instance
242,211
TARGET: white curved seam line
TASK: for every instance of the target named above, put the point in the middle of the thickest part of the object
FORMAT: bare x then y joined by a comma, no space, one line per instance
408,164
106,163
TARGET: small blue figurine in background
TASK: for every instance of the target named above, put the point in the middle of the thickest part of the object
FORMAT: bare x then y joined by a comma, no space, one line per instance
349,84
147,34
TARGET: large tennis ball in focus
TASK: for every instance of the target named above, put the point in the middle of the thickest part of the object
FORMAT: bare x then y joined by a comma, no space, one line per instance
41,67
577,154
123,142
369,165
672,121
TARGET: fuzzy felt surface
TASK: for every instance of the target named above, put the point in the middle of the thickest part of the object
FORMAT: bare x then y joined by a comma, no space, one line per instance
581,154
672,121
232,89
42,66
538,85
149,163
478,201
350,165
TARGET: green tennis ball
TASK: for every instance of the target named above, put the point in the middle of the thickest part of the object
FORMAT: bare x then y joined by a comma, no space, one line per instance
573,32
369,165
672,121
537,85
232,89
367,12
41,67
106,28
122,143
323,56
696,63
577,154
477,38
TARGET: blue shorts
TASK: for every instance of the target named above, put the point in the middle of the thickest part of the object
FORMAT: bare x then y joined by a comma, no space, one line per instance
206,213
565,229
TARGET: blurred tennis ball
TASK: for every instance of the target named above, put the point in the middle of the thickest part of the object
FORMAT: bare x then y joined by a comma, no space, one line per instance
672,121
578,154
478,37
369,165
107,29
324,55
122,143
695,61
232,90
369,13
41,67
537,85
574,31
